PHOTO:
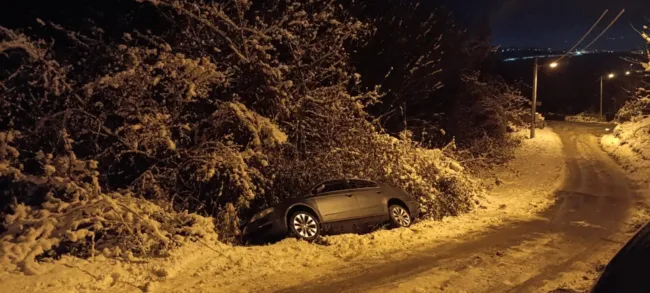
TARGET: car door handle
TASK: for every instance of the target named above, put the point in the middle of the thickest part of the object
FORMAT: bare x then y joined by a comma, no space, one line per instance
378,192
348,194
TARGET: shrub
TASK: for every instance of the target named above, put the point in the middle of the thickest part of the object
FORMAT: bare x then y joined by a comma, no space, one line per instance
231,107
432,176
635,108
76,217
171,119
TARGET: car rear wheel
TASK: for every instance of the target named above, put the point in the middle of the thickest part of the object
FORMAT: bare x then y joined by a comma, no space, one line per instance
399,216
304,225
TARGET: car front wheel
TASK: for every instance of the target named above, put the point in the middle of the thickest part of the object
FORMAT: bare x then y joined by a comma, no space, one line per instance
304,225
399,216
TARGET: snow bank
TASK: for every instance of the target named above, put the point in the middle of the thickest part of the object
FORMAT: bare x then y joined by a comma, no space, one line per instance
216,267
630,146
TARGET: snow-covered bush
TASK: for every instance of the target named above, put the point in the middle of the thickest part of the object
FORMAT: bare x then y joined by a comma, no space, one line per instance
173,119
437,180
76,217
215,108
630,141
432,176
630,145
638,107
634,108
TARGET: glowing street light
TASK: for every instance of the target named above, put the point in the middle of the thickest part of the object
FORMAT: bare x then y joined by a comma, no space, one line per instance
534,103
610,76
628,73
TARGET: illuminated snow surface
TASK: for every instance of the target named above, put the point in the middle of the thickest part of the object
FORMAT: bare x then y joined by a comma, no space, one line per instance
526,187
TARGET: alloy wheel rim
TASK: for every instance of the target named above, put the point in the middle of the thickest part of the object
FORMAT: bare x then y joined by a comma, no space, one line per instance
305,225
401,216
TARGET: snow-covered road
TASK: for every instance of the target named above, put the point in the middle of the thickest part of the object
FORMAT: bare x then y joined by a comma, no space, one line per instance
560,250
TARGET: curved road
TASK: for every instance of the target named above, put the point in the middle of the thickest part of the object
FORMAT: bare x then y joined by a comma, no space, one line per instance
589,211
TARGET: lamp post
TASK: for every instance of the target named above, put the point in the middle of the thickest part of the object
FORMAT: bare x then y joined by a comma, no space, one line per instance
533,110
609,76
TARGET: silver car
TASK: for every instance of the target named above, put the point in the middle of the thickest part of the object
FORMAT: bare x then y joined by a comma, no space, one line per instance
335,206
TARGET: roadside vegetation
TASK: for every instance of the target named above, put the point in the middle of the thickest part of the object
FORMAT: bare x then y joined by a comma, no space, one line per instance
124,138
630,141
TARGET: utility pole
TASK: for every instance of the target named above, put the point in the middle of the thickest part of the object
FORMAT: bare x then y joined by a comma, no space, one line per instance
601,98
533,112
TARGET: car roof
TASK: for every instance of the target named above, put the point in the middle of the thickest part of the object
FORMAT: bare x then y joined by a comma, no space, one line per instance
343,179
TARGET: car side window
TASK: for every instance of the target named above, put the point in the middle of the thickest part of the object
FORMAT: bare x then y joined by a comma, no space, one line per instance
355,184
334,186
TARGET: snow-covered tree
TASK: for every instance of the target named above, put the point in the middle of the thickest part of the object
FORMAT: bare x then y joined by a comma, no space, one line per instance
212,108
638,103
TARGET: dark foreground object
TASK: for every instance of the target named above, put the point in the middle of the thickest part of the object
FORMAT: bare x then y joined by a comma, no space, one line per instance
629,270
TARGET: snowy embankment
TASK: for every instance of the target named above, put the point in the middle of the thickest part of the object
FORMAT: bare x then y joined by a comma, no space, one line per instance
630,146
523,188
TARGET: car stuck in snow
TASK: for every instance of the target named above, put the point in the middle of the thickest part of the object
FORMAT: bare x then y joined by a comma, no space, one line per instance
335,206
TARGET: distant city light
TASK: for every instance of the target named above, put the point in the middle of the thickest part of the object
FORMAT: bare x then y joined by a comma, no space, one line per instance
627,73
553,65
611,75
531,54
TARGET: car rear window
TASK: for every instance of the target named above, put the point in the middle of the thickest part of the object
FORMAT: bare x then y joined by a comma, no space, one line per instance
362,184
334,186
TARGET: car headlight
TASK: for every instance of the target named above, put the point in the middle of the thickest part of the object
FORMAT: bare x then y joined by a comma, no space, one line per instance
261,214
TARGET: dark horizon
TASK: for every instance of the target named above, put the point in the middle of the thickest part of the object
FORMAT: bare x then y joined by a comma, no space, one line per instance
556,24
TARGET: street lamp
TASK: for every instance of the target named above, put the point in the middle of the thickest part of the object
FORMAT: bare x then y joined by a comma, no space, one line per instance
610,76
628,73
533,111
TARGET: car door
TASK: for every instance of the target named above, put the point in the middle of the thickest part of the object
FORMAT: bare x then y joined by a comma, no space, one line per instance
369,198
336,202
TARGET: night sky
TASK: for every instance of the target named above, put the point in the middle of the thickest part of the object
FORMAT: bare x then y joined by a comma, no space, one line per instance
557,24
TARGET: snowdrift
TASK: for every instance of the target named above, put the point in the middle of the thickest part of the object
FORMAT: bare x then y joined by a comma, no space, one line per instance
630,145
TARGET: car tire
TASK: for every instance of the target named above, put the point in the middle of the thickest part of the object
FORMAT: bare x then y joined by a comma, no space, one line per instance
399,216
304,225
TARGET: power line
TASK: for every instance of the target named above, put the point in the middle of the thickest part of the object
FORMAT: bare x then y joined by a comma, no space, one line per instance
606,29
584,36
